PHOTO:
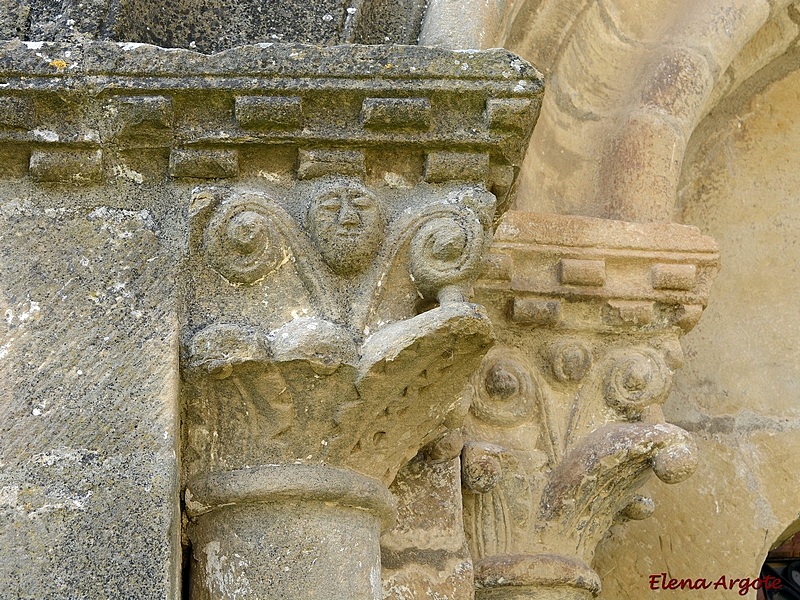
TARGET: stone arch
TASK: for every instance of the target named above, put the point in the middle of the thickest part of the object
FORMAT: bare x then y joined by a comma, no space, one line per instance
738,394
781,561
788,533
628,88
627,84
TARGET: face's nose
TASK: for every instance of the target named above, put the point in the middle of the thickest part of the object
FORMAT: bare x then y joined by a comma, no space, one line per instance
348,216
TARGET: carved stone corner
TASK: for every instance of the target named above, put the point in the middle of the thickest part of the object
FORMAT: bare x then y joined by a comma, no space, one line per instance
565,421
425,554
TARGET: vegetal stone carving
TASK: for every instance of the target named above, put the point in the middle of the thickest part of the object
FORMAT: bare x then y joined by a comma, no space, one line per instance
240,242
332,386
635,380
565,421
330,352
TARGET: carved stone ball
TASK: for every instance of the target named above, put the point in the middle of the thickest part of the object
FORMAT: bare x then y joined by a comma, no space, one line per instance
506,394
676,463
447,447
247,232
346,224
635,380
570,360
501,383
482,473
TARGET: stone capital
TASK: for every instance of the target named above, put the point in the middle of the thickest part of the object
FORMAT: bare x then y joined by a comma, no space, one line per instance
329,328
565,421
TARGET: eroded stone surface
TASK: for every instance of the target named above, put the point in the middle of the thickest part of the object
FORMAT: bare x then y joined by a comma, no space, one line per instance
729,486
212,25
316,261
88,394
738,393
328,321
426,554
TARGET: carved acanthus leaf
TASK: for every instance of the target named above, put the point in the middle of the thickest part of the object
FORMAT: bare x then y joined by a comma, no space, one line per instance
497,499
404,373
598,477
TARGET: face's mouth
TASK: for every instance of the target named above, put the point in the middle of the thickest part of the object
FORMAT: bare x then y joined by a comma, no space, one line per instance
348,233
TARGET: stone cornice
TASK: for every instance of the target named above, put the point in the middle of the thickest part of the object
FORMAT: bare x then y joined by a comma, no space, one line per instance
291,60
79,108
573,272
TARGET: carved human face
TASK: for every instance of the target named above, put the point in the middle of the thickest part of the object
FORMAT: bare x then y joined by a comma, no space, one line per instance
346,225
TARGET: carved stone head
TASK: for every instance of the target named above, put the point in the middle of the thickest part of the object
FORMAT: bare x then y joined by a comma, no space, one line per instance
345,223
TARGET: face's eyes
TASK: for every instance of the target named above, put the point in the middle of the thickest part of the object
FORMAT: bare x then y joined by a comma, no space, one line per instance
335,200
363,203
330,204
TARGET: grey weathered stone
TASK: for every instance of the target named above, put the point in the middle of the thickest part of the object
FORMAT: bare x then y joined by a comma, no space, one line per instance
213,25
389,22
289,531
88,394
586,319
